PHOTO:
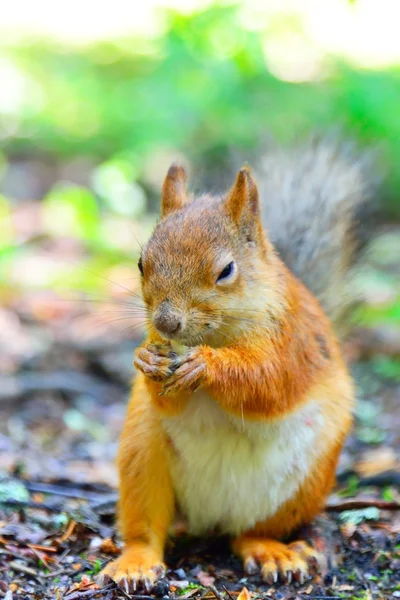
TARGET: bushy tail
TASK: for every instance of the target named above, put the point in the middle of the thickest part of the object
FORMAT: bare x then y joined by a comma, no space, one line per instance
317,203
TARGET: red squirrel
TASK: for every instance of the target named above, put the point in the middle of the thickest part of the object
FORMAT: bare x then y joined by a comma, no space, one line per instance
242,399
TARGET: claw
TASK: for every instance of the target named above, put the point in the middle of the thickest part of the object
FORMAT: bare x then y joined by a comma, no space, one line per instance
275,559
251,566
271,577
299,576
138,567
312,561
124,584
159,571
147,584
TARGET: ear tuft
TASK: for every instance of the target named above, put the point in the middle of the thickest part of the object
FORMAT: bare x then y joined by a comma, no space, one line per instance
176,172
242,202
174,194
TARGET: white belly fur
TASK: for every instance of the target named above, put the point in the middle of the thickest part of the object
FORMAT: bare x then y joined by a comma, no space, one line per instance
231,473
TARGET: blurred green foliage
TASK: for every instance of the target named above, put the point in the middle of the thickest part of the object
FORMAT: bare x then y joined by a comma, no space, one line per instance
202,88
203,84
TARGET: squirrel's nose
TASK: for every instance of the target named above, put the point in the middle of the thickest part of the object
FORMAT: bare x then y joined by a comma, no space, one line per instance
167,321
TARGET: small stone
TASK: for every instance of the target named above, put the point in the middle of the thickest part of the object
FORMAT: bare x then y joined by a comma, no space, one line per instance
161,589
180,573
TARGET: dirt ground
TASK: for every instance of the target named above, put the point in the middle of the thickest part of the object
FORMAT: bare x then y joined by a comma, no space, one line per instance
63,389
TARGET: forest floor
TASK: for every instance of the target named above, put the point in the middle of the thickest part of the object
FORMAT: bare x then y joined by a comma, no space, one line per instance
63,391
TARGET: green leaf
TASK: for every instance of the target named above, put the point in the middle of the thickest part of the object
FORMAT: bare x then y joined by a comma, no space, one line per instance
10,489
387,367
72,211
7,237
358,516
113,181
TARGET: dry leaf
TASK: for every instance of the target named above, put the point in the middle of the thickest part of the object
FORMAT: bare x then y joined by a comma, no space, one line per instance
377,461
244,594
345,588
205,579
308,590
109,547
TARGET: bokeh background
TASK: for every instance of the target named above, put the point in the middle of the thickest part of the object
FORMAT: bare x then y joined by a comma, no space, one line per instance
96,100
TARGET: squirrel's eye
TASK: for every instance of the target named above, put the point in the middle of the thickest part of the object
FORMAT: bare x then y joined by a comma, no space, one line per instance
140,265
227,271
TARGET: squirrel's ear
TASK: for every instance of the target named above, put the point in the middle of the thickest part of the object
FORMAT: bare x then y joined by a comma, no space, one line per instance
242,204
174,194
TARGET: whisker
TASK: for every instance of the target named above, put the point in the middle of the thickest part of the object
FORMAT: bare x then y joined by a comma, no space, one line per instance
225,311
119,314
131,292
227,336
128,301
135,238
131,328
106,320
105,300
205,300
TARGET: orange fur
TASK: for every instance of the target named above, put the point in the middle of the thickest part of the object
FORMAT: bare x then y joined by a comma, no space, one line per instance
306,504
258,546
290,561
261,348
146,502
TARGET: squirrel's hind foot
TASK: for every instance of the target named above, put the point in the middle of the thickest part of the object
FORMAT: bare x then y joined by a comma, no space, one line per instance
273,559
139,566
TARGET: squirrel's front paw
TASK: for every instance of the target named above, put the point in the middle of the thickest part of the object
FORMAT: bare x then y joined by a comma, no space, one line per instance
188,373
138,566
156,361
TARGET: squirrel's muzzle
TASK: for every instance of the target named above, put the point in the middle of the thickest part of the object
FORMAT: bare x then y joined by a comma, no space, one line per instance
167,320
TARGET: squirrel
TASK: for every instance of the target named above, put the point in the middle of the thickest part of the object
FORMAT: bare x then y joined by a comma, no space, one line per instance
242,400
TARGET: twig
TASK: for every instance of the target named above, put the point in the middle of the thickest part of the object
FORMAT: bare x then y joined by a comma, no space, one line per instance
71,593
228,592
28,504
65,483
78,594
387,478
97,499
122,591
321,597
41,548
57,573
23,569
362,503
215,592
139,597
67,534
49,488
41,556
7,552
60,558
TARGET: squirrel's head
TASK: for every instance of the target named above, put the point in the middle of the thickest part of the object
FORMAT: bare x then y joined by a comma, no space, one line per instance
208,270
